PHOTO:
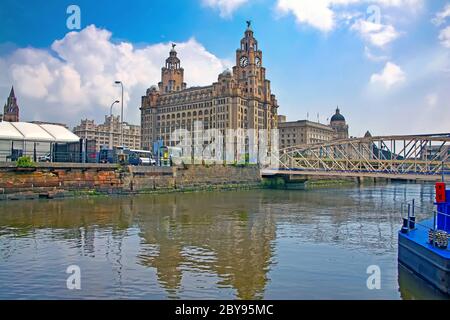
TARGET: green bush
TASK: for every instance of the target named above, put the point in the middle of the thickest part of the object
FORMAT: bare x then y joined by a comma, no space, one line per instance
25,162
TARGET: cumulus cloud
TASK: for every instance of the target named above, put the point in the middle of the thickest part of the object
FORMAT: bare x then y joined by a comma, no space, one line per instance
75,78
444,37
376,34
390,76
225,7
316,13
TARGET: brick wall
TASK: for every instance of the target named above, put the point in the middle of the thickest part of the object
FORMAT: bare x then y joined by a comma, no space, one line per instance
54,180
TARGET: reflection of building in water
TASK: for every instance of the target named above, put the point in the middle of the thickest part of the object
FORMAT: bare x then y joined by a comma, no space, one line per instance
235,246
224,241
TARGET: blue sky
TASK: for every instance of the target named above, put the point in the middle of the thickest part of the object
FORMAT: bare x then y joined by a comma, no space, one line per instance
388,72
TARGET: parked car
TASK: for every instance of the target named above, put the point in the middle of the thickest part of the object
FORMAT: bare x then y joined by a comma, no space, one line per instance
45,158
145,161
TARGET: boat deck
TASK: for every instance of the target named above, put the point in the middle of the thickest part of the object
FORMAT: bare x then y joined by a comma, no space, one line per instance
420,236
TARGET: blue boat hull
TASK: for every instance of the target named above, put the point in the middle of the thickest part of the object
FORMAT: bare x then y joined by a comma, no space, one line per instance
428,262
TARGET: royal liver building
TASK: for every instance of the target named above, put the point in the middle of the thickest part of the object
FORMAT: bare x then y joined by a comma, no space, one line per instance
239,101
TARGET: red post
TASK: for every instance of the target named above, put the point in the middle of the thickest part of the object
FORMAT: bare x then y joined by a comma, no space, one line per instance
440,192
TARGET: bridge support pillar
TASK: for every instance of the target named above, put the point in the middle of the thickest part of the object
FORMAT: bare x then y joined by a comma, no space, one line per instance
365,180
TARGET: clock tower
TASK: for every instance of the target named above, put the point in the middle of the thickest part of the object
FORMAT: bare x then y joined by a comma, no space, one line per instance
172,75
250,75
249,70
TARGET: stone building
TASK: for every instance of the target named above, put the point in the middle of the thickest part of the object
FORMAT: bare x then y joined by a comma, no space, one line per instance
304,132
108,134
281,118
240,99
11,109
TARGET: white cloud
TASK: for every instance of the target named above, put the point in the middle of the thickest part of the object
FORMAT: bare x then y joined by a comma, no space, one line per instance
390,76
76,78
442,16
225,7
376,34
317,13
444,36
323,14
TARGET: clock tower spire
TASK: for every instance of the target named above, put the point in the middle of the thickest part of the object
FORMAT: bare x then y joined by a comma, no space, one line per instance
249,70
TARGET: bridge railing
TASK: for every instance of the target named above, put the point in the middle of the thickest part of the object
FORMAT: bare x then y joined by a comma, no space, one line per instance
422,154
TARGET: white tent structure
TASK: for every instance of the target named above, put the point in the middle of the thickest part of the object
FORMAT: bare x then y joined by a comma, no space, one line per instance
34,140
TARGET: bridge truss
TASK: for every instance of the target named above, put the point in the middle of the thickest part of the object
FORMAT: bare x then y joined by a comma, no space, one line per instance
393,155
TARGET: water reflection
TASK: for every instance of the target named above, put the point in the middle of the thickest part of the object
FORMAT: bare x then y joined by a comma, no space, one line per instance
206,245
193,233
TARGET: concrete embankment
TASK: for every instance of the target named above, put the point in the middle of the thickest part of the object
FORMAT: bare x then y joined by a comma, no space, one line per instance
65,180
297,182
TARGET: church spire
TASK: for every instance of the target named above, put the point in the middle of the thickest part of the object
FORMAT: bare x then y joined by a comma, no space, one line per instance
11,109
11,94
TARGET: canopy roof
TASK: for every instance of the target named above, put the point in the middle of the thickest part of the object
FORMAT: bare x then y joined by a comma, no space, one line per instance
36,132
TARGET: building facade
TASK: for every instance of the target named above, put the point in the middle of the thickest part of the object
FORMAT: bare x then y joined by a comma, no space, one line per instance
11,108
304,132
240,99
108,134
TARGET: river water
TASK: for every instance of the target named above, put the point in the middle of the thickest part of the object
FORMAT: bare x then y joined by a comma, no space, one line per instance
257,244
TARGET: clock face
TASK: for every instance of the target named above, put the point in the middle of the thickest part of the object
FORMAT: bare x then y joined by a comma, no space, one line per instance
258,62
243,61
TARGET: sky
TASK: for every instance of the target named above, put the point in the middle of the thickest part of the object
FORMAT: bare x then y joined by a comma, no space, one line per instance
385,63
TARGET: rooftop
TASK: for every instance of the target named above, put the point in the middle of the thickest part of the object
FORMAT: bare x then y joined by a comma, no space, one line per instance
36,132
304,123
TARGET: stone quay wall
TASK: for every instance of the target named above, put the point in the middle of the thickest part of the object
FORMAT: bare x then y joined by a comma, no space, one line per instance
61,180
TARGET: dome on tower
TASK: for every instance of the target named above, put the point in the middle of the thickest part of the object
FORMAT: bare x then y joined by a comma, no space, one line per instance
337,116
226,73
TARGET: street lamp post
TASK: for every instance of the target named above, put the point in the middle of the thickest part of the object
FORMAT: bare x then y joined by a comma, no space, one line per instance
111,126
110,109
121,115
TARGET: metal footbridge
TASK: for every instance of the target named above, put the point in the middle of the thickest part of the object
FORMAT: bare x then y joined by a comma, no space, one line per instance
404,157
